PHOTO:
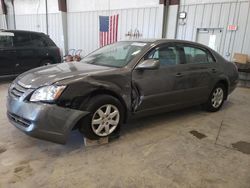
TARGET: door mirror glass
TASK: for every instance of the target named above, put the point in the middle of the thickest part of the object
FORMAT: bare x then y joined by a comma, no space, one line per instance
149,64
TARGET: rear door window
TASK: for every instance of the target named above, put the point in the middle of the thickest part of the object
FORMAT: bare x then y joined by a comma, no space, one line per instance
22,40
195,55
38,41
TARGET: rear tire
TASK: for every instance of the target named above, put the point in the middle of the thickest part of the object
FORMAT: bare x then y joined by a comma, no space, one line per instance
216,98
105,118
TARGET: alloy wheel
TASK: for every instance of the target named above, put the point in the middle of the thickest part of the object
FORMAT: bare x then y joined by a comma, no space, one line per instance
105,120
217,98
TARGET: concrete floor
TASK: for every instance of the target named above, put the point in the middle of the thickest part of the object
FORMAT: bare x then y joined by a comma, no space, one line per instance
188,148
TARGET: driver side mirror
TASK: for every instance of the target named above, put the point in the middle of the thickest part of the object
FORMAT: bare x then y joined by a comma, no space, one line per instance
149,64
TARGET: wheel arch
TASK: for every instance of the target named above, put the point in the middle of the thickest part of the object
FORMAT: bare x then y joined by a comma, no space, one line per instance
85,99
113,94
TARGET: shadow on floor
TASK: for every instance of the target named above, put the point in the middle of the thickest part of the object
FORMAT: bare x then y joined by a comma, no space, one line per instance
149,121
75,141
7,80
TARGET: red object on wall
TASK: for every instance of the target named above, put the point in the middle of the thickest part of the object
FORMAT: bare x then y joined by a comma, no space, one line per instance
232,27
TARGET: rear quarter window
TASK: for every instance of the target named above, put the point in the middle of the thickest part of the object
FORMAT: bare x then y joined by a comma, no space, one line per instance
49,41
38,41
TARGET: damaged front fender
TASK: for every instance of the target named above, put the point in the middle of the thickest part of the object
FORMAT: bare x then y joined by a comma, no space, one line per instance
117,84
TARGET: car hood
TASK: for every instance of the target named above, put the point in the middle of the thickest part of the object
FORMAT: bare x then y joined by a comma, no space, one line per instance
48,75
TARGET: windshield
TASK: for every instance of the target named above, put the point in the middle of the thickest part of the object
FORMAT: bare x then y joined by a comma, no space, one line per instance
115,55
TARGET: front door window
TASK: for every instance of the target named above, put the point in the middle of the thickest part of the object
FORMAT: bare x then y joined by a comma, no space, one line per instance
168,56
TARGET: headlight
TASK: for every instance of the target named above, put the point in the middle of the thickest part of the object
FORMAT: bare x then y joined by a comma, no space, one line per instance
47,93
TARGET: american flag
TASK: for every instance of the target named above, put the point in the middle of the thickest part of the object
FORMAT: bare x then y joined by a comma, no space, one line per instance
108,29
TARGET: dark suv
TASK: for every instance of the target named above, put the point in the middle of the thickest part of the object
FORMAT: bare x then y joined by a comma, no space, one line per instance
24,50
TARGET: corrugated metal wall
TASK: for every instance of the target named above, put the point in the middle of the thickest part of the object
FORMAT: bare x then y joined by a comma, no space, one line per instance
2,22
37,22
31,22
219,15
83,27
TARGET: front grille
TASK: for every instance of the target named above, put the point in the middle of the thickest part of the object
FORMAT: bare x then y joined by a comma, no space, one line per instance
20,121
17,90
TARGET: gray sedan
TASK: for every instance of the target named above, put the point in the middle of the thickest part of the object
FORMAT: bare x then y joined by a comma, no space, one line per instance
115,83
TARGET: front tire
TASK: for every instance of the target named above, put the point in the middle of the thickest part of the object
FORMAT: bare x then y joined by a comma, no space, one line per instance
216,98
105,118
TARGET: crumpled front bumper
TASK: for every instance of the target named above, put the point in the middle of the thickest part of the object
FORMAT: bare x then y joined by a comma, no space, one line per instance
46,121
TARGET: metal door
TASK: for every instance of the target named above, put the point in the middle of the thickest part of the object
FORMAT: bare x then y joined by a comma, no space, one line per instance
164,87
210,37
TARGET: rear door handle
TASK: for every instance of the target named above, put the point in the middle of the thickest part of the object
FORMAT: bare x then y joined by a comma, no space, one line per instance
179,74
214,70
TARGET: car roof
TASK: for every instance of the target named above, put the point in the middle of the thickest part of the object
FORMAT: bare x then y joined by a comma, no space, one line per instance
140,40
161,41
22,31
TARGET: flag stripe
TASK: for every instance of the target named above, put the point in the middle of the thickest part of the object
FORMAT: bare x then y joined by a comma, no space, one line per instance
111,28
116,27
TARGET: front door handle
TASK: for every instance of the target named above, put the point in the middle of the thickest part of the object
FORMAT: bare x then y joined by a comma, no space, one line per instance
179,74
